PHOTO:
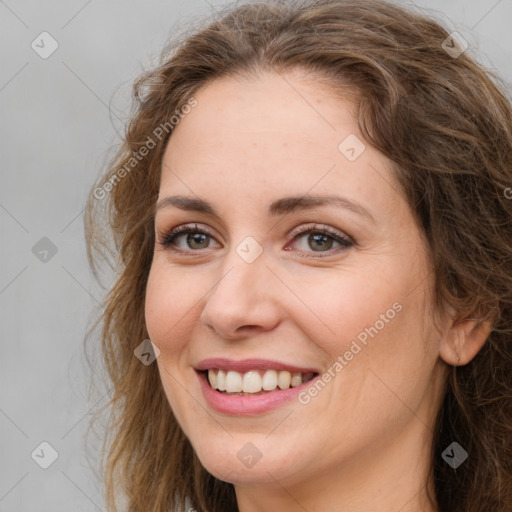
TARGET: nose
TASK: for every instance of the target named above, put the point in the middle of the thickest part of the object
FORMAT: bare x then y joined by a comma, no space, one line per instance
244,300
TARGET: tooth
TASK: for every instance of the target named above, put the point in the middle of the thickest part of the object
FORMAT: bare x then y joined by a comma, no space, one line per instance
296,379
284,379
233,382
221,380
251,382
212,378
270,380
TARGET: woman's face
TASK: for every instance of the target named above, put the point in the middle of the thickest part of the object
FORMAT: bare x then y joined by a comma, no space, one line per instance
347,305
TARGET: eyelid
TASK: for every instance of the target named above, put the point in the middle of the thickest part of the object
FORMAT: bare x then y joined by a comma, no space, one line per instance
339,237
303,229
182,229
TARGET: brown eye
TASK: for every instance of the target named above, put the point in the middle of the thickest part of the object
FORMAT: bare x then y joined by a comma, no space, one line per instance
321,241
195,239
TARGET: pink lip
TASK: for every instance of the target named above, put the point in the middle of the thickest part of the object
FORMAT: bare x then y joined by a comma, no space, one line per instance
249,364
248,405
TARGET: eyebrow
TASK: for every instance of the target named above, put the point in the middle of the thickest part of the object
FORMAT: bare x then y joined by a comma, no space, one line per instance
278,207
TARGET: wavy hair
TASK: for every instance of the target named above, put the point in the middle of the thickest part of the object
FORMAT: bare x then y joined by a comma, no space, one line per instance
443,120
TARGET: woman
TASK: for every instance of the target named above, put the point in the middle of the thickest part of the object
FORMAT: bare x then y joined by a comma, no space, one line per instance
312,211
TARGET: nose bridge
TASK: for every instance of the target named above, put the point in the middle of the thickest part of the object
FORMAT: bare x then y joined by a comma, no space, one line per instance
243,273
241,295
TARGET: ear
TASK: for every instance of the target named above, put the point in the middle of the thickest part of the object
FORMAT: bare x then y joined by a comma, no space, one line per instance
463,341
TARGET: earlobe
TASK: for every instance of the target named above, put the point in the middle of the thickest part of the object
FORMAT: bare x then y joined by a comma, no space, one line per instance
464,341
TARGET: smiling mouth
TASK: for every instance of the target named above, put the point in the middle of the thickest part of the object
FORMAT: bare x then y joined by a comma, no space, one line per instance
254,382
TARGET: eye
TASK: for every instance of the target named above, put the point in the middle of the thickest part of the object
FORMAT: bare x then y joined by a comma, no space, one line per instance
195,237
320,239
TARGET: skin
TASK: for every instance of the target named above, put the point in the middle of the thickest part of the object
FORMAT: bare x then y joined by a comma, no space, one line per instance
363,443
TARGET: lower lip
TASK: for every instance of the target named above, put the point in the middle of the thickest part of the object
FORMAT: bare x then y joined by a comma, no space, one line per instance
248,405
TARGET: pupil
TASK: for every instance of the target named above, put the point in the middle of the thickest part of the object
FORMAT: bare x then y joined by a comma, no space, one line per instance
193,237
317,238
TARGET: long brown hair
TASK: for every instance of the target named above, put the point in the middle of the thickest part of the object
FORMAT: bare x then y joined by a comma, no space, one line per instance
446,124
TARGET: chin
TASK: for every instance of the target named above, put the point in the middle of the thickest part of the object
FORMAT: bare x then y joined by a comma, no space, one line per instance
243,463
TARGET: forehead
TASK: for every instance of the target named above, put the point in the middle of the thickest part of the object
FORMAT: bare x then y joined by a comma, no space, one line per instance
270,136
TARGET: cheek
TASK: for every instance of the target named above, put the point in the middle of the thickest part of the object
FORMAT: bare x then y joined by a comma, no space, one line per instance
167,307
349,305
168,321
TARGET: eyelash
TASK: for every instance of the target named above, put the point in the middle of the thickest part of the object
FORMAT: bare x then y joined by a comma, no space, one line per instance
345,242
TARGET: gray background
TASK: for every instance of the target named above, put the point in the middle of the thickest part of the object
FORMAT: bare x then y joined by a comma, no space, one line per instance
60,118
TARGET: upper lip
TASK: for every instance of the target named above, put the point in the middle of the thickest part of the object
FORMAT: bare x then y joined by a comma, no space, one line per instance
245,365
